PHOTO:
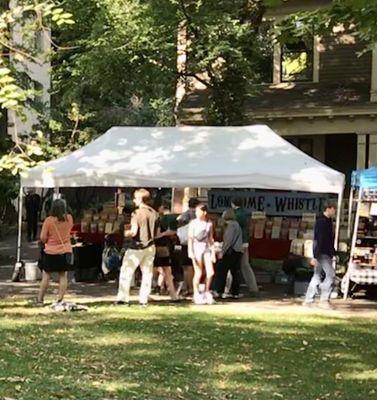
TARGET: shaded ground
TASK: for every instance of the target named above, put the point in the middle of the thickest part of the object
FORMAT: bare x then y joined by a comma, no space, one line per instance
252,349
190,352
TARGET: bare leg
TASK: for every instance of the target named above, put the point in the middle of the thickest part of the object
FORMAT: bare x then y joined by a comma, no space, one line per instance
198,270
209,270
63,284
188,272
169,281
161,278
45,283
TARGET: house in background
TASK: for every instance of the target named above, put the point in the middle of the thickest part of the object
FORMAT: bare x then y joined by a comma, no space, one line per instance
322,96
38,71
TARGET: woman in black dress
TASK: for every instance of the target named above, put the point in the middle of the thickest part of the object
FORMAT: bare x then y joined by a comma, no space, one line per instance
164,248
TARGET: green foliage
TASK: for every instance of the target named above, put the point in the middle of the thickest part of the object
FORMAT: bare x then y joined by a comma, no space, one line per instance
24,20
356,16
18,90
120,64
226,49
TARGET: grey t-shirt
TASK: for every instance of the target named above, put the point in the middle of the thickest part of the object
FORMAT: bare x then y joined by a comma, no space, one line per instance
232,237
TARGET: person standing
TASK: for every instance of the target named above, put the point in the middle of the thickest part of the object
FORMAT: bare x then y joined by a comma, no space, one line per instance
57,253
188,270
32,206
164,249
142,251
232,254
246,270
201,252
323,252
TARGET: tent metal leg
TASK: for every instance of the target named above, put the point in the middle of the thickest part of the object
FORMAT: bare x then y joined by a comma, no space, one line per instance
19,236
18,265
353,243
350,207
338,214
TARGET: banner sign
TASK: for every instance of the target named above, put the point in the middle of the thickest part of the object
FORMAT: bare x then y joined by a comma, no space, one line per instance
292,204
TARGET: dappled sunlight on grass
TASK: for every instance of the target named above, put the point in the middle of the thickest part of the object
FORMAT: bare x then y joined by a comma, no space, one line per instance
361,375
184,353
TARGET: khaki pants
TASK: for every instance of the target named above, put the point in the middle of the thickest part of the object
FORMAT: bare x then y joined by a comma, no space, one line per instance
247,271
132,259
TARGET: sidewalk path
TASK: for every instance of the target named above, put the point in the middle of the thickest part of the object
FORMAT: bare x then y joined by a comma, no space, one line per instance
103,293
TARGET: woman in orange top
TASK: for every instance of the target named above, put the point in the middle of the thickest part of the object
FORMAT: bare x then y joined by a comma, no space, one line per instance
56,237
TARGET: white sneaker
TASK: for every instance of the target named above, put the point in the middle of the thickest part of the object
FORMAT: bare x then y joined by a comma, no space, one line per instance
208,298
199,299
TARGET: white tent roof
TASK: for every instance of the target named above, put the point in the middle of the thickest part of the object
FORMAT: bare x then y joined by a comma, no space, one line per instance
226,157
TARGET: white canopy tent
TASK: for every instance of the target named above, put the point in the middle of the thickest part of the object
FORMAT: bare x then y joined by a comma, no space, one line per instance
192,156
245,156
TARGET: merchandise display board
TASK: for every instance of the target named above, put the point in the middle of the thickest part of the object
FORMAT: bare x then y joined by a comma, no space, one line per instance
362,267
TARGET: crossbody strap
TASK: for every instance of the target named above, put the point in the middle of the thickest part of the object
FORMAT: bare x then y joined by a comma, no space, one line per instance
60,238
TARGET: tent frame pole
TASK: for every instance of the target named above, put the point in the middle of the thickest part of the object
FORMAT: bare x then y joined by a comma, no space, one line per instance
338,214
19,235
353,243
18,265
350,209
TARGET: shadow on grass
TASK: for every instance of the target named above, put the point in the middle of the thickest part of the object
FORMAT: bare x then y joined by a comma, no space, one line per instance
183,353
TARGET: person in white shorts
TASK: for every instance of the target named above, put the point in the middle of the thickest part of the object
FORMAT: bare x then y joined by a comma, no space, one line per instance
201,252
142,251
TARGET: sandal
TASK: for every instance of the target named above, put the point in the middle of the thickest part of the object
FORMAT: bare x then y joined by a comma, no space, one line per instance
37,303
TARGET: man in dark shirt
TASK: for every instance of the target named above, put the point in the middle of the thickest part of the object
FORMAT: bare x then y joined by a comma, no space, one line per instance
144,228
32,206
324,252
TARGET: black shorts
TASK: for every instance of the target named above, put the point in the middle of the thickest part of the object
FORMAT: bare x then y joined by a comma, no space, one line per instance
162,262
55,263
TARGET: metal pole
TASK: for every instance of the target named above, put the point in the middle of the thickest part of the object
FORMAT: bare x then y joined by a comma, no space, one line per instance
338,214
353,243
20,196
18,265
350,208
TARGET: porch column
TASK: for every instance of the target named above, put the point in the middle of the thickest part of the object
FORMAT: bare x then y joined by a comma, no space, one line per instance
361,151
372,161
373,84
188,193
177,200
277,64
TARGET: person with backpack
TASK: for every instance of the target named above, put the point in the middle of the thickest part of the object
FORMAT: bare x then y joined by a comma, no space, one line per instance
142,249
201,252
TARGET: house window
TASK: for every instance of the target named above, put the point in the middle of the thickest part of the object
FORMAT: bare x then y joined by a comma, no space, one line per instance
297,62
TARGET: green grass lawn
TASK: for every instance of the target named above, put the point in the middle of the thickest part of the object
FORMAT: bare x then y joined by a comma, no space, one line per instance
171,352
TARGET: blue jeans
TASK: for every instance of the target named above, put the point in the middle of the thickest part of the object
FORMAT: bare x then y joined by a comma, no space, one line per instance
324,265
